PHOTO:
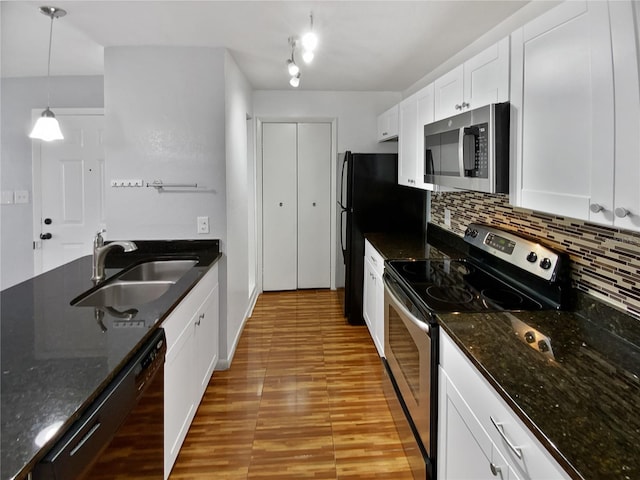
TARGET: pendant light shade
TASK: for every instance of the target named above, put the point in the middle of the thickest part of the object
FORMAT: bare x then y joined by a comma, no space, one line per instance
47,127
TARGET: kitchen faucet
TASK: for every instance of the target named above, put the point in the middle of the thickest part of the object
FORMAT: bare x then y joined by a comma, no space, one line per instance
100,251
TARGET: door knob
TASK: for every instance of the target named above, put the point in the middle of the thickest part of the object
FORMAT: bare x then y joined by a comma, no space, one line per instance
48,221
314,204
622,212
45,236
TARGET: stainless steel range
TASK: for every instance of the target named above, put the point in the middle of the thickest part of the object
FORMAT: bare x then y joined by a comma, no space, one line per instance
502,272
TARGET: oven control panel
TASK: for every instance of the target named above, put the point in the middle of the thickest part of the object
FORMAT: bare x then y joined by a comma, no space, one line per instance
519,251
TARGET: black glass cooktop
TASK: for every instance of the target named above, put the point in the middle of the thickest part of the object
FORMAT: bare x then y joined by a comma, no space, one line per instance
459,285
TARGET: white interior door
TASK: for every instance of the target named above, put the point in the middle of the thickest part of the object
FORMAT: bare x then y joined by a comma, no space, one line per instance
314,196
279,206
69,192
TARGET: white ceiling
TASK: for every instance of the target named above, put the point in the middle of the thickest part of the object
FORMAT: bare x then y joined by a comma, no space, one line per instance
364,45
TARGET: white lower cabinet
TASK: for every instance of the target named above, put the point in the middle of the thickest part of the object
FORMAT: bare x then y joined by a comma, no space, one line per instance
192,354
479,436
373,295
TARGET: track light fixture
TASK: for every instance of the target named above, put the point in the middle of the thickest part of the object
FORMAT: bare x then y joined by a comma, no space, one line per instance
295,81
47,127
308,42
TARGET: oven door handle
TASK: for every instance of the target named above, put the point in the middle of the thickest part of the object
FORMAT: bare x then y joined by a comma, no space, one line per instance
396,303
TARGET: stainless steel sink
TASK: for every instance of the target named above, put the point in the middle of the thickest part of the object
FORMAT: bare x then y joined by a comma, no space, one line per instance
141,284
121,293
159,270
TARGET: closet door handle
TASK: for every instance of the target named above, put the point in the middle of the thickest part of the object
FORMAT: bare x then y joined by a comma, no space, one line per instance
280,204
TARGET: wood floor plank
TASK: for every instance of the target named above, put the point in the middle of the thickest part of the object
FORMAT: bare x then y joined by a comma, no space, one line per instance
303,399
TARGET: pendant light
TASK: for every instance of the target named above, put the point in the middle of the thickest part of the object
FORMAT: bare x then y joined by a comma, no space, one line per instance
47,127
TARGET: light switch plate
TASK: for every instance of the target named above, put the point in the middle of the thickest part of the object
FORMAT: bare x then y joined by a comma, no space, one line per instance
203,224
7,197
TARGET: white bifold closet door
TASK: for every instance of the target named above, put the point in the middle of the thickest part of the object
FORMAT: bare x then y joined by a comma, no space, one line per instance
296,205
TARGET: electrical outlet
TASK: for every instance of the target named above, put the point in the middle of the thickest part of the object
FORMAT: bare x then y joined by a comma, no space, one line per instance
21,196
203,224
447,217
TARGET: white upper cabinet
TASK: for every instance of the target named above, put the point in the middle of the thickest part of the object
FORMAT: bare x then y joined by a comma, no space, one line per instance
415,112
388,124
575,98
482,80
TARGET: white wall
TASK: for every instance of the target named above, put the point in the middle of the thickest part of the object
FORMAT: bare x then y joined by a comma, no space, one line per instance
164,120
18,97
240,206
178,114
357,113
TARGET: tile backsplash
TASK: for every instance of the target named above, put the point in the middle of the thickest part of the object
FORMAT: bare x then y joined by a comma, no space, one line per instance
605,261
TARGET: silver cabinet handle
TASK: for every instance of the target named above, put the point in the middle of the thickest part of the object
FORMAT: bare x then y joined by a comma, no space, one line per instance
596,207
280,204
500,429
458,106
200,318
314,204
465,105
495,470
622,212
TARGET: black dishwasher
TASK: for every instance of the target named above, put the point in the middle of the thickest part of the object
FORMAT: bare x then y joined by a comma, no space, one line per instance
121,435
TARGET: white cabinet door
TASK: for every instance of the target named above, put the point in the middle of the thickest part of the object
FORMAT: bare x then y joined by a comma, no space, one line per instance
408,141
314,212
415,112
563,93
449,93
368,296
373,295
388,124
426,111
625,35
482,80
206,341
486,76
279,206
179,401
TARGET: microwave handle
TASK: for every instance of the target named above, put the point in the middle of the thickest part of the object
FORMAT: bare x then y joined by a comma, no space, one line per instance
466,150
461,152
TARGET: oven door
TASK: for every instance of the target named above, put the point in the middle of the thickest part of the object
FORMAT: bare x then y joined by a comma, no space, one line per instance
411,354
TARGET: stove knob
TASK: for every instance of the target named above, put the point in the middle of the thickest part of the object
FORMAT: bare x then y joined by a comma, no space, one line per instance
471,232
532,257
545,263
530,337
543,346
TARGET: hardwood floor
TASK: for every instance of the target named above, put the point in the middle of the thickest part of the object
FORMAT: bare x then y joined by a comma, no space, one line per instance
303,399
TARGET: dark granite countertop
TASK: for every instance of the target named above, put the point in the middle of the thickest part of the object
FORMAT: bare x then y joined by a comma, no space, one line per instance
436,243
583,403
56,358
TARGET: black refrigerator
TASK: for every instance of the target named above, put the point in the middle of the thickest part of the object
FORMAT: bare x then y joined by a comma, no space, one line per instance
372,201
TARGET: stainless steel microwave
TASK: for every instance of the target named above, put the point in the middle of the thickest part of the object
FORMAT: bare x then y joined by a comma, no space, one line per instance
469,151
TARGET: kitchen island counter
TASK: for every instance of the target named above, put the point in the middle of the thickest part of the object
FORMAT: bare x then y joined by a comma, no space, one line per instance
56,358
580,398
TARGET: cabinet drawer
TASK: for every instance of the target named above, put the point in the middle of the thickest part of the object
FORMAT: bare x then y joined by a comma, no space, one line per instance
371,254
512,438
